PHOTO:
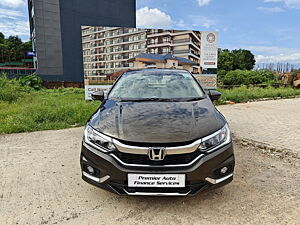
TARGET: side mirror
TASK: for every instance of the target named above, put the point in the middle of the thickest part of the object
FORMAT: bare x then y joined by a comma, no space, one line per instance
98,95
214,95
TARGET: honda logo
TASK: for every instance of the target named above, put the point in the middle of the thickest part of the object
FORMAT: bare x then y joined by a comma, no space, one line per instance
157,153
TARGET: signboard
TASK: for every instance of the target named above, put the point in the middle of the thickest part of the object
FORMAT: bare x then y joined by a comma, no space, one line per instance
209,49
89,89
30,53
207,81
144,49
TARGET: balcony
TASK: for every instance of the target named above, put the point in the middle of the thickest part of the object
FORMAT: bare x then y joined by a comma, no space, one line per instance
186,51
158,42
181,41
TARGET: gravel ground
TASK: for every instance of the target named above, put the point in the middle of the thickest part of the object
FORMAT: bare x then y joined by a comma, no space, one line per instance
41,184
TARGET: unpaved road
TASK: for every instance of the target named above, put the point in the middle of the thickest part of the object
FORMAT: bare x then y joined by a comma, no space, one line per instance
41,184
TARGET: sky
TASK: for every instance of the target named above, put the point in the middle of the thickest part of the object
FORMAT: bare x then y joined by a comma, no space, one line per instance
269,28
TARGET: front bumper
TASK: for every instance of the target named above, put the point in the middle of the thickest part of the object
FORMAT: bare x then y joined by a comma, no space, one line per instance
201,175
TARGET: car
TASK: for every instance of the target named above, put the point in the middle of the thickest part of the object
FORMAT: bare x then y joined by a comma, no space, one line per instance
157,133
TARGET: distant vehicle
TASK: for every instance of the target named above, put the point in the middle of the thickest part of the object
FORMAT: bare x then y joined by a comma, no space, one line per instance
157,132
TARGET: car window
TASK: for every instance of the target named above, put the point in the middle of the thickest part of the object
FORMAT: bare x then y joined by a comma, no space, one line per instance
156,84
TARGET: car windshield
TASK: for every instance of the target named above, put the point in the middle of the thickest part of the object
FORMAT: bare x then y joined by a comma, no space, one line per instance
160,85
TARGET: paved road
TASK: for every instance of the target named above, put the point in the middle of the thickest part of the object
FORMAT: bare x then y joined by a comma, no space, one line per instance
41,184
275,122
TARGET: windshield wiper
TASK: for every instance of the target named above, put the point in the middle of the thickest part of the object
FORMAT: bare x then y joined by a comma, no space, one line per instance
160,99
194,99
145,100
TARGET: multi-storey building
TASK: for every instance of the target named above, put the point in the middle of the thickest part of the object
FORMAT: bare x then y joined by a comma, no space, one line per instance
55,28
185,44
108,49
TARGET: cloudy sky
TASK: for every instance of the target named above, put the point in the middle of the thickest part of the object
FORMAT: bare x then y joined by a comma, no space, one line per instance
269,28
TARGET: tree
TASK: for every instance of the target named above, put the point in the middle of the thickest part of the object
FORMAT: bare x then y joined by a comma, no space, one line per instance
26,46
240,59
14,42
225,60
12,49
243,59
2,38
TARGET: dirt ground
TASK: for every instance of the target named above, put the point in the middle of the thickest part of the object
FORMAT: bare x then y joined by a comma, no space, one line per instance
41,184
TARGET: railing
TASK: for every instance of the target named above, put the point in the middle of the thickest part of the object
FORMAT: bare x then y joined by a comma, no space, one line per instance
181,41
15,71
181,51
158,42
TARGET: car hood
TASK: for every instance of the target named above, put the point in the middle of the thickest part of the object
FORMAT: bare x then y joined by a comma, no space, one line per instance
157,122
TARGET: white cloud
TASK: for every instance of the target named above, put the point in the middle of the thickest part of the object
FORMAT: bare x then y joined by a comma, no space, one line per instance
13,22
155,18
202,21
273,54
15,27
289,3
270,9
12,3
10,14
272,49
293,58
152,18
203,2
198,23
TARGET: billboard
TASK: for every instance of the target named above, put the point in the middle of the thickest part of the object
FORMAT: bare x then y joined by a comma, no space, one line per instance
209,50
108,52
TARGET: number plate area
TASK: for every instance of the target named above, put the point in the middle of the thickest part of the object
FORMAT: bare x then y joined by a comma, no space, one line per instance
156,180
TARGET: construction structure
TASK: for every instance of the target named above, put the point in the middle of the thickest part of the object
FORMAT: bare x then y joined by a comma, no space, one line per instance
109,49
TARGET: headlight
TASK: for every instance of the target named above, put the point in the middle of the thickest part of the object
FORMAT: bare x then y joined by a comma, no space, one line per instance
98,140
222,136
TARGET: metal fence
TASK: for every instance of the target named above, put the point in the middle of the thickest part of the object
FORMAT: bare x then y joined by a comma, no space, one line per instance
17,71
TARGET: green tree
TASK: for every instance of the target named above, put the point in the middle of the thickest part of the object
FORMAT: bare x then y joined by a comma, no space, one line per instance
225,60
14,42
12,49
240,59
26,46
243,60
2,38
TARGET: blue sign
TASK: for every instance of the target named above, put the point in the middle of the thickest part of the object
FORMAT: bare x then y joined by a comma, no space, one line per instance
30,53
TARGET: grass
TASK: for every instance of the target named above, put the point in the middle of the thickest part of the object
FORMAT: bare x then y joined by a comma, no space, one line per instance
65,108
46,110
244,94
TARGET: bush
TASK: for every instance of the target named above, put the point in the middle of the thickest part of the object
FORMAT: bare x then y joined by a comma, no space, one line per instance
268,74
295,73
10,89
32,81
244,94
221,75
246,77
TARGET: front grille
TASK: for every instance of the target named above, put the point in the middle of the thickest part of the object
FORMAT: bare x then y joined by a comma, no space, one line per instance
190,187
168,160
183,190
